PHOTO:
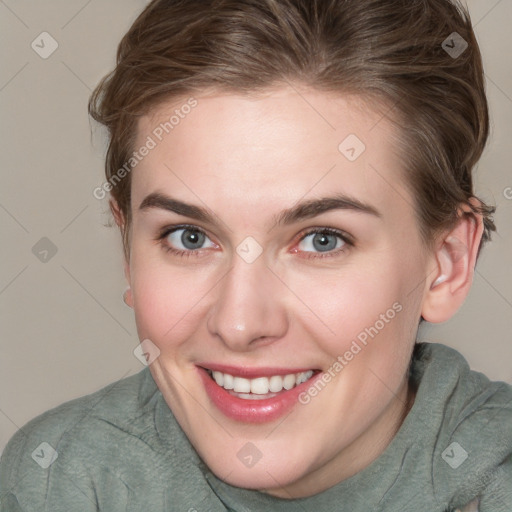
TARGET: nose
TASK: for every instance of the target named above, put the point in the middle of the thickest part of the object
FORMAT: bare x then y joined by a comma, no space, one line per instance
248,311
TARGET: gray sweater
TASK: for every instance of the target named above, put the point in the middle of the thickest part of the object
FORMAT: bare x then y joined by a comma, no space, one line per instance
121,449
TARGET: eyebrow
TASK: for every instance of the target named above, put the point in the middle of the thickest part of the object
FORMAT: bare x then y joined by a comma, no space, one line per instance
301,211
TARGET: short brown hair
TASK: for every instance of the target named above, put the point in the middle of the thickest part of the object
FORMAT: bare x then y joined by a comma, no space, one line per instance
388,51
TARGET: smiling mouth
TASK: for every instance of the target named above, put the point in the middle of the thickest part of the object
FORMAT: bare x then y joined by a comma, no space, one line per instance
259,388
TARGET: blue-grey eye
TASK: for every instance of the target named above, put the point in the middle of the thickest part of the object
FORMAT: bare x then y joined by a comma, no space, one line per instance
321,242
187,239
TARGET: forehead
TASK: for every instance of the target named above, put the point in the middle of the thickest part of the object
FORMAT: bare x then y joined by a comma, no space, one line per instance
270,149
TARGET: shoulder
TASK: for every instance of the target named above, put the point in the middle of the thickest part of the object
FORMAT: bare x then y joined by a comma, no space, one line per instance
469,397
464,392
473,449
28,458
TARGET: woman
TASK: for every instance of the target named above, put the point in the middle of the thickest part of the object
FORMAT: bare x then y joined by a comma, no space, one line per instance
292,182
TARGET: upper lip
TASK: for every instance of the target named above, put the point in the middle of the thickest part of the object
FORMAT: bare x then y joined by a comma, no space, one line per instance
252,372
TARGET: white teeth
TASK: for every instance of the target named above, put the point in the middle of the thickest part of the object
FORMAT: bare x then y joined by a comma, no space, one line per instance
250,396
228,381
276,383
303,377
219,378
289,381
259,386
247,388
241,385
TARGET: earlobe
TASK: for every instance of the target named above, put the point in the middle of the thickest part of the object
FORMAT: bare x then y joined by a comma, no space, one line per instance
120,221
455,259
118,215
127,273
128,294
128,297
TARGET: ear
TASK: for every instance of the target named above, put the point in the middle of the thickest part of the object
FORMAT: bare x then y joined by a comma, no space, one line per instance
117,213
120,221
455,260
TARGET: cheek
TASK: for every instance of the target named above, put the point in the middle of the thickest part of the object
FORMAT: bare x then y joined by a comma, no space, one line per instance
343,304
368,318
167,300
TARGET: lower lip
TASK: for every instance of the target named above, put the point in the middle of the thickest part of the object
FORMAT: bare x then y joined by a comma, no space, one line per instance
252,411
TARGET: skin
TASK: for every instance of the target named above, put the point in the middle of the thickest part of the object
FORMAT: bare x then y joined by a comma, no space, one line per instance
246,159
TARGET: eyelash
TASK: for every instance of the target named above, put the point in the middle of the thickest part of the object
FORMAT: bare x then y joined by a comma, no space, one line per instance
309,255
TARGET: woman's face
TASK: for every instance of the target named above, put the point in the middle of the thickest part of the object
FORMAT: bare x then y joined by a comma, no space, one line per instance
270,246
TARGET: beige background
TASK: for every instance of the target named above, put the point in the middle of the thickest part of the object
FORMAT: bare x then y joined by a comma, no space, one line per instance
65,330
